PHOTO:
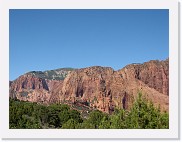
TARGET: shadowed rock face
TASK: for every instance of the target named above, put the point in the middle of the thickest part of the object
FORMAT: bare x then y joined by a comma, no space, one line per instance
98,87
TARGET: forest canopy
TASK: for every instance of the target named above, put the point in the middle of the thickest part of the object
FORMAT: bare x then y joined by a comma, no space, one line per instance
142,115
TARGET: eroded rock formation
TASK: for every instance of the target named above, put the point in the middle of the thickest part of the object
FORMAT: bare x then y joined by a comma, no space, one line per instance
98,87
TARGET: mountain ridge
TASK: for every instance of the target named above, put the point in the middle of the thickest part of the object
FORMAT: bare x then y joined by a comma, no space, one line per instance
96,87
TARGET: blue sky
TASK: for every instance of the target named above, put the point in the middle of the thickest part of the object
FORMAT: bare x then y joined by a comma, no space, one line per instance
51,39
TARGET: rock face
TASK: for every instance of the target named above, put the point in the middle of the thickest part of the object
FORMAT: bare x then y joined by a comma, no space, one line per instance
104,89
98,87
29,82
37,86
91,85
154,73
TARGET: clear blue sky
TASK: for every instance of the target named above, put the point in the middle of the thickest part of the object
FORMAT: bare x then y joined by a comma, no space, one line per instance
50,39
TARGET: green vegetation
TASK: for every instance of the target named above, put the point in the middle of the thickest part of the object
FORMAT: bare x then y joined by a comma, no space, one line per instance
58,74
143,115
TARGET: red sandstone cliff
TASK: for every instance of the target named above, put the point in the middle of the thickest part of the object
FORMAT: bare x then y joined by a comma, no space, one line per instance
99,87
106,89
34,89
154,73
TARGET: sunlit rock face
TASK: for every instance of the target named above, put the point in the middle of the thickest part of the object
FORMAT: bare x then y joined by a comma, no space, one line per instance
97,87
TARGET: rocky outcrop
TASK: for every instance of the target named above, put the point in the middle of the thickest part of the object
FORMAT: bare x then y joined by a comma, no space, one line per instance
154,73
90,84
35,87
98,87
105,89
29,82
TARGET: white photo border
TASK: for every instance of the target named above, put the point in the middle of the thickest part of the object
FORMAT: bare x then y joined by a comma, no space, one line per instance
171,133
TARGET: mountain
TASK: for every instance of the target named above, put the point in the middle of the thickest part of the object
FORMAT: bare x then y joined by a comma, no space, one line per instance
96,87
38,86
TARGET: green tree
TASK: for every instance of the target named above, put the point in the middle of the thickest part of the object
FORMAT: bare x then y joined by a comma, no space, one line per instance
105,123
75,115
70,124
95,118
143,115
118,119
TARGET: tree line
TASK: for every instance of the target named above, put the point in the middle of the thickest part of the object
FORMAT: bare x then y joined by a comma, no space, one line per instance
142,115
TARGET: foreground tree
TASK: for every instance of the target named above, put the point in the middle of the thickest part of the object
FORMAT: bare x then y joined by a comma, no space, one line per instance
143,115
